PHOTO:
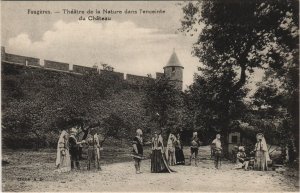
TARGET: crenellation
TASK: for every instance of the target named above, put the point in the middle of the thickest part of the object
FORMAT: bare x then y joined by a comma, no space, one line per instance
159,75
112,74
138,80
173,70
84,69
56,65
22,59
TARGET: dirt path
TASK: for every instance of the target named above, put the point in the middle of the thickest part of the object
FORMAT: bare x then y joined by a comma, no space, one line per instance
121,177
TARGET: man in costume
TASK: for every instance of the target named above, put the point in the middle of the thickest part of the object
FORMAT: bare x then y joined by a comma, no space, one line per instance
217,146
137,152
74,148
195,143
93,149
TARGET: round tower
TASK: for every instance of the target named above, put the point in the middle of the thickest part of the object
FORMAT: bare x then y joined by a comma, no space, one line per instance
174,71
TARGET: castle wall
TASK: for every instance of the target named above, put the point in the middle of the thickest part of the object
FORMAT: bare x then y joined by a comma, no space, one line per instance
111,74
3,57
138,80
159,75
84,69
175,76
22,59
56,65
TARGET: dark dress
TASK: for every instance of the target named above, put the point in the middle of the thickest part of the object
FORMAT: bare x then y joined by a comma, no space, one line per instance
158,160
179,153
139,145
74,151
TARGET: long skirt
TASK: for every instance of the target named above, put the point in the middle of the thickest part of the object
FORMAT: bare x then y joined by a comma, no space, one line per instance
179,156
158,162
64,162
260,161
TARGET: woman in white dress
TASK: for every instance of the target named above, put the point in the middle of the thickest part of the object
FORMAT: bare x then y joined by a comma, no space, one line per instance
63,160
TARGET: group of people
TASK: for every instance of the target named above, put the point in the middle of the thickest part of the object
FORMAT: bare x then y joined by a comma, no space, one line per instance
163,157
261,155
160,160
69,150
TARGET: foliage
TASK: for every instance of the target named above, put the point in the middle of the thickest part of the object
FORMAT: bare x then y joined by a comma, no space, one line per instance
212,107
38,103
277,102
114,126
236,38
162,103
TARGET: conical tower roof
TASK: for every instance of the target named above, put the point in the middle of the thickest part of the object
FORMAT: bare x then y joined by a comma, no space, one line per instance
173,61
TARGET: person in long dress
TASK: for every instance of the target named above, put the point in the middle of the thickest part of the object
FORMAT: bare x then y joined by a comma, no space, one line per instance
137,152
170,152
158,160
63,160
179,151
261,153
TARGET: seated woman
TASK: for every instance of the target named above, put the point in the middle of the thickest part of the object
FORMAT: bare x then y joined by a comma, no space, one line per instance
158,160
242,158
178,151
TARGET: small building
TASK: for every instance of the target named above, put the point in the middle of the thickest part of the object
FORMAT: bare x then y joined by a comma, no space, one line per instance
239,137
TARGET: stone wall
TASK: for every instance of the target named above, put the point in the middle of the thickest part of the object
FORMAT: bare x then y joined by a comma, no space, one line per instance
56,65
22,59
61,66
138,80
175,74
84,69
3,57
159,75
111,74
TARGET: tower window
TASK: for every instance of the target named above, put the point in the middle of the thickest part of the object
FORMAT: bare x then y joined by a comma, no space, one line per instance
173,69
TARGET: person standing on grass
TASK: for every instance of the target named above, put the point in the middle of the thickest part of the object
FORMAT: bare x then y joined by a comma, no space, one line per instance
217,146
74,148
63,161
195,143
137,152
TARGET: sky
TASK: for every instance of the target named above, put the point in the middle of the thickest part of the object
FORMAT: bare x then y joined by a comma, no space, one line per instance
138,44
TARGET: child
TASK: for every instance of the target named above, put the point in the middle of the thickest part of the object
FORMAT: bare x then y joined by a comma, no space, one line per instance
242,158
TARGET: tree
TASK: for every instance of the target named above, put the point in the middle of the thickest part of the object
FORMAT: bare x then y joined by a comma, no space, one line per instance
39,103
162,102
239,36
276,101
114,126
212,107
